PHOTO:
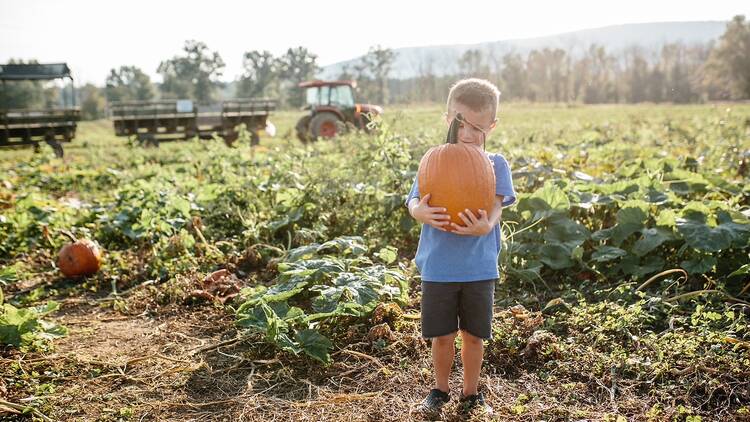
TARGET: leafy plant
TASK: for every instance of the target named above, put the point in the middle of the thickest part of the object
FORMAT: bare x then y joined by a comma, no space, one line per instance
25,328
316,285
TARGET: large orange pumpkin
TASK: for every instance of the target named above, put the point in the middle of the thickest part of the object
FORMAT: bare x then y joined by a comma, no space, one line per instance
82,257
458,177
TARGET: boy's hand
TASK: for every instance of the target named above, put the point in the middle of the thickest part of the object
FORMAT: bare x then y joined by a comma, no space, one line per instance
475,225
433,216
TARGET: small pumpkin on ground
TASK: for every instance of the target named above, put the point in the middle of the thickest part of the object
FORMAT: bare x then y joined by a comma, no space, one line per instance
80,258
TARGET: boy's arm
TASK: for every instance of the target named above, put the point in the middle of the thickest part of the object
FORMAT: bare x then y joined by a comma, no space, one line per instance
421,210
483,223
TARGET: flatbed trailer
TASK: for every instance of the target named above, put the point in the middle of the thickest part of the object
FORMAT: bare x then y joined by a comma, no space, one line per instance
152,122
24,127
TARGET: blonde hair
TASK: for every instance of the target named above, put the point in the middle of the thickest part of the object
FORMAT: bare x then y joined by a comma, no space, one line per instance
477,94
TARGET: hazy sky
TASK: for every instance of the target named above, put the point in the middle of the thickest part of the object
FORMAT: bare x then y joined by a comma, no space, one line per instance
95,36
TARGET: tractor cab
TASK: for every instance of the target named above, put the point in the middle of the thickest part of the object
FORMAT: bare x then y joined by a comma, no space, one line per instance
335,94
332,109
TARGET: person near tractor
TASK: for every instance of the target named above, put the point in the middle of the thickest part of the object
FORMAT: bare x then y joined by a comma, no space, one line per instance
458,267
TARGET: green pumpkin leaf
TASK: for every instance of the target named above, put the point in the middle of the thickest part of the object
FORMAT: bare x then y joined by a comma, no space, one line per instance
286,290
666,218
10,273
639,267
545,201
650,240
388,255
607,253
656,197
743,270
700,236
587,200
632,215
556,256
254,318
52,331
314,345
347,287
700,265
603,234
303,252
630,220
344,245
566,231
737,225
284,342
181,205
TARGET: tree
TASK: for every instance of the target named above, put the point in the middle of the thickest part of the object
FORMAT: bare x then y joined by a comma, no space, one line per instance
636,75
261,72
295,66
22,94
548,72
594,75
472,64
427,81
92,102
193,75
514,76
656,85
379,62
128,83
675,67
538,76
729,62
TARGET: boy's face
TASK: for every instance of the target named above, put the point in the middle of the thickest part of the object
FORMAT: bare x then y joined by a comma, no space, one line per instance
477,125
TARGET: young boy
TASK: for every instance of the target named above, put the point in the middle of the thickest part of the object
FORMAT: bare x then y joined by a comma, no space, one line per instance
459,269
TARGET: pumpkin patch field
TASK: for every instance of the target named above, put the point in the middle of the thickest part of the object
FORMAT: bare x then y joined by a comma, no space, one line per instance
195,281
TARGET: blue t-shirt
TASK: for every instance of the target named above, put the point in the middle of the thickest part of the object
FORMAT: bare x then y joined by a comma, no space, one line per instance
445,256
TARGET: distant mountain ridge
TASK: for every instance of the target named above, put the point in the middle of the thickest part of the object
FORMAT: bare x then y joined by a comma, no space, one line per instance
443,59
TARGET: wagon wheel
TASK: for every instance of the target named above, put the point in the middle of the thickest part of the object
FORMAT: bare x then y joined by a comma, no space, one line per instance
326,125
148,140
303,130
55,144
58,148
230,137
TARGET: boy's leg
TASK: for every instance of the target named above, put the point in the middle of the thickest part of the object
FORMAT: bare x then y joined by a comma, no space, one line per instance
475,315
443,352
472,351
440,324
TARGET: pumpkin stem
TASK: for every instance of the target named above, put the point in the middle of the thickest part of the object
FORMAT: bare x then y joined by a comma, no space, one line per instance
68,234
452,137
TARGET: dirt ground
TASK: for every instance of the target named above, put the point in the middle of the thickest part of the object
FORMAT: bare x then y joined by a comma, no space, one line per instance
186,363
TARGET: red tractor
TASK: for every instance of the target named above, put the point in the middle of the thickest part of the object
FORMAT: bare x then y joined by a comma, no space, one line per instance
332,110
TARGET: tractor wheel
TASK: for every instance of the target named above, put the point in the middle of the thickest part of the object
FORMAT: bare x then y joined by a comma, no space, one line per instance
303,129
326,125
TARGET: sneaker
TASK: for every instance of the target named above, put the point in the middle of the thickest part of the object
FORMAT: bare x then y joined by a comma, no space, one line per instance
434,401
467,404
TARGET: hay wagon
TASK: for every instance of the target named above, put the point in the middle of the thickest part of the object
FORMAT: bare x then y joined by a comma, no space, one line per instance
152,122
24,127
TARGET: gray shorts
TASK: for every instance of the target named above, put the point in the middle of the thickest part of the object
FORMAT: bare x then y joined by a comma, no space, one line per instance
450,306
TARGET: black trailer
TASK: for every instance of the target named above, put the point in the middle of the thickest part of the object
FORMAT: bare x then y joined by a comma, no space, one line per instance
19,127
151,122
